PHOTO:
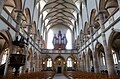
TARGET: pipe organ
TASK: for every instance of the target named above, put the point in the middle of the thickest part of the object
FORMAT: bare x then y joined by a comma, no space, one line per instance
59,41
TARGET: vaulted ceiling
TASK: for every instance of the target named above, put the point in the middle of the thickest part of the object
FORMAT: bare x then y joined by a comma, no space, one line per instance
60,12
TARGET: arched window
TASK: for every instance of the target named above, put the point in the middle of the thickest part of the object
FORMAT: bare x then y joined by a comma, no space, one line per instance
49,42
114,57
49,62
91,62
4,57
102,59
69,62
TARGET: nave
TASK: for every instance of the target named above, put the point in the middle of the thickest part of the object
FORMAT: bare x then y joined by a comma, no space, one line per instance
64,75
59,76
78,38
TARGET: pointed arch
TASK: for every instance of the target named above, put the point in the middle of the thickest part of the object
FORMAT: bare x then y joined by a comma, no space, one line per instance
94,19
102,5
101,56
59,56
28,15
86,28
111,4
92,16
34,29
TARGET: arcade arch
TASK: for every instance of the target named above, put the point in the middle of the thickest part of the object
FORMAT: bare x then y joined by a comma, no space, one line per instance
114,45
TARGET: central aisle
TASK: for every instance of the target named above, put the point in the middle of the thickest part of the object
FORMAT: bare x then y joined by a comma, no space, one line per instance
59,76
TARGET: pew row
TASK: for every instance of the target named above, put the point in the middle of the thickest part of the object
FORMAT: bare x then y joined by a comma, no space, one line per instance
88,75
33,75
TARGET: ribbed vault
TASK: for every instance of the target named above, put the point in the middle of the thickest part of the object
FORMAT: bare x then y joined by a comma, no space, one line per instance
59,12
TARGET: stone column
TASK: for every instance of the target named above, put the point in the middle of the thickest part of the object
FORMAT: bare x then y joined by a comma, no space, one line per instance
29,25
37,60
41,62
24,69
1,5
118,3
118,56
85,55
87,64
95,60
34,54
82,64
33,62
7,60
108,54
19,18
78,62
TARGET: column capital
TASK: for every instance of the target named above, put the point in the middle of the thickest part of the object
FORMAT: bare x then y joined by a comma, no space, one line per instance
19,10
1,5
101,12
91,25
29,24
118,3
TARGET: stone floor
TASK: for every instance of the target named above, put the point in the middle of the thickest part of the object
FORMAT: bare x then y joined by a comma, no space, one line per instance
59,76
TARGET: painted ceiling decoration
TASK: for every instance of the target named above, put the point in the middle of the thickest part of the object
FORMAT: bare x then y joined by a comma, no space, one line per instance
59,12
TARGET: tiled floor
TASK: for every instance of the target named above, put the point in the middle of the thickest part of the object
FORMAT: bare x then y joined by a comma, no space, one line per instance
59,76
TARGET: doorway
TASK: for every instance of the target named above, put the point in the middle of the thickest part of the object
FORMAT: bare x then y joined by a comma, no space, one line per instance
59,64
59,70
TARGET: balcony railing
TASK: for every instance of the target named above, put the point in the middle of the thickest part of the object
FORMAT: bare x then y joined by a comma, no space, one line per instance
55,51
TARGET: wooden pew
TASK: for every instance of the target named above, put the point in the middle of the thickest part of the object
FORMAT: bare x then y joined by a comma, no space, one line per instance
88,75
48,74
33,75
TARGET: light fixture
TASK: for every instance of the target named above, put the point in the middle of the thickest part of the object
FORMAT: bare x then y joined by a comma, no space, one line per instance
59,59
113,51
43,62
74,62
